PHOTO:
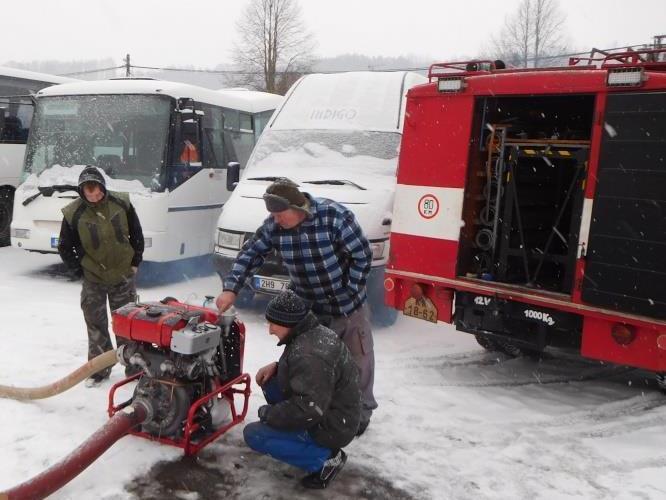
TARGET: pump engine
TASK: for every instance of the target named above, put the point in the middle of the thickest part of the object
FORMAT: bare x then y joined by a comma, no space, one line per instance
189,361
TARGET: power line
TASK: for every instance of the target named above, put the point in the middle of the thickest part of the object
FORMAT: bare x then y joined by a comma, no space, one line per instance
90,71
127,66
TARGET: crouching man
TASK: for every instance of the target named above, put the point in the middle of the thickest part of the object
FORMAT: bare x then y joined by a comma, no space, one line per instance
313,395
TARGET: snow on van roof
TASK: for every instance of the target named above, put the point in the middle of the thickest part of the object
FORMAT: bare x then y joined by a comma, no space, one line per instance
33,75
357,100
233,100
257,102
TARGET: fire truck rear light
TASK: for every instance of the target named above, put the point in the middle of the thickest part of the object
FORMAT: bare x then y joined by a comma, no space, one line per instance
451,84
625,77
661,342
623,334
389,285
416,291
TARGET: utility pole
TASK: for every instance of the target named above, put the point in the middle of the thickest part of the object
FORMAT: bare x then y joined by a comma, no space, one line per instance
128,67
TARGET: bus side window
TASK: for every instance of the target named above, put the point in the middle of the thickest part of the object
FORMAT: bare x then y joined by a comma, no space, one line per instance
13,129
214,144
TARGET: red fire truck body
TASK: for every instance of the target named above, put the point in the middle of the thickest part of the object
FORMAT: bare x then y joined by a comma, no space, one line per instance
530,207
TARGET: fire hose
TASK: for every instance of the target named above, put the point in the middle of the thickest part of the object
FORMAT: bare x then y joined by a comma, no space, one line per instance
46,391
59,474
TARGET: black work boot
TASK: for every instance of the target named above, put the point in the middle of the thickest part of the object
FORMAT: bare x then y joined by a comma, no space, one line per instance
320,479
97,378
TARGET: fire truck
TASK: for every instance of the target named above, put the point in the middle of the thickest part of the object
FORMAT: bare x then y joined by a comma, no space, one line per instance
530,208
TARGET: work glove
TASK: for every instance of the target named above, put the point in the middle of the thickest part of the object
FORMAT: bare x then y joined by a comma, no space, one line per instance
263,412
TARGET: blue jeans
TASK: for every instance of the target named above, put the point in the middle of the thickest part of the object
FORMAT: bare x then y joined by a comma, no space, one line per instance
296,448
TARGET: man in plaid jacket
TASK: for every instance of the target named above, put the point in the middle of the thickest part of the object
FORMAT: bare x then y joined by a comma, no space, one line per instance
328,259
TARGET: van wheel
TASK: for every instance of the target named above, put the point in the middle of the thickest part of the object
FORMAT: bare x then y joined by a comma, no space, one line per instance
382,315
244,299
6,207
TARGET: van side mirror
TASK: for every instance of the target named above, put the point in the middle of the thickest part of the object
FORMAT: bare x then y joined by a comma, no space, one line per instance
233,175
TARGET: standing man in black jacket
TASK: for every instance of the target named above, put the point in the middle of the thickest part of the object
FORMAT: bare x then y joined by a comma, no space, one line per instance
313,395
101,240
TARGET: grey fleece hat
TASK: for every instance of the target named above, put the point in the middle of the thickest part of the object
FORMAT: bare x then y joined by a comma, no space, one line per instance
284,194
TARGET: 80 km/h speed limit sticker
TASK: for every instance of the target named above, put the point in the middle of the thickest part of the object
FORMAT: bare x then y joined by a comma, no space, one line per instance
428,206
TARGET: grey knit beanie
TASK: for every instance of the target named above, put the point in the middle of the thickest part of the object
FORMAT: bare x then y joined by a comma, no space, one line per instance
286,309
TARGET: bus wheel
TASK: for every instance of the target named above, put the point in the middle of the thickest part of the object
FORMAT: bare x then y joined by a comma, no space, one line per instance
661,381
487,343
6,206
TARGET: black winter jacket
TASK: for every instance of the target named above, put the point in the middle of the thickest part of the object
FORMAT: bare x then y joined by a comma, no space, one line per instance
319,379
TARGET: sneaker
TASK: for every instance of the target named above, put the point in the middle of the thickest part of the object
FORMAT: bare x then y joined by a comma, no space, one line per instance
362,427
320,479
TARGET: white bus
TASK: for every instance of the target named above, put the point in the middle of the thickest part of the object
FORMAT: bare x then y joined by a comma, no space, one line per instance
164,143
249,118
16,109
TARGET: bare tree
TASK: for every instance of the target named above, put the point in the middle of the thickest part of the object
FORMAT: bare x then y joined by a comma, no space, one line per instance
532,34
274,46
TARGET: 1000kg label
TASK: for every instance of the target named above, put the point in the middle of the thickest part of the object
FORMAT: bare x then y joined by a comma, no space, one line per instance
540,316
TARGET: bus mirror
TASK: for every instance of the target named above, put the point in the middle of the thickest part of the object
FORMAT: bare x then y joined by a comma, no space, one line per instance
186,105
233,175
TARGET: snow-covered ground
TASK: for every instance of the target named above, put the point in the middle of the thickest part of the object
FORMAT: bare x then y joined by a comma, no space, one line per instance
454,421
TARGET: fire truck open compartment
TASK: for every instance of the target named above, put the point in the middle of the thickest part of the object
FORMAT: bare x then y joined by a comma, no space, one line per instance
524,191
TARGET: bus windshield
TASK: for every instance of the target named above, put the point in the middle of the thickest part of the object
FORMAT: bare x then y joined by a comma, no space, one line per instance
125,135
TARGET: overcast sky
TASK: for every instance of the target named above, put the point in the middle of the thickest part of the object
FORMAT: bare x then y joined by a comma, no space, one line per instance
202,32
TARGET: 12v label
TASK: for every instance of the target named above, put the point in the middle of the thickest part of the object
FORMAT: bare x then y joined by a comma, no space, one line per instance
539,316
482,301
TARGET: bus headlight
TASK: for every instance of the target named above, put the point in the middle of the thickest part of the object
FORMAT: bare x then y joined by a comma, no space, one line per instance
20,233
229,240
377,249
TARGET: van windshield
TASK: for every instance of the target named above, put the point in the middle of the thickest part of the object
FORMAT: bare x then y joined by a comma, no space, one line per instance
125,135
330,153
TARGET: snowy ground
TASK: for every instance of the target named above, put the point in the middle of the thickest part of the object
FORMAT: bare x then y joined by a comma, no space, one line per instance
453,422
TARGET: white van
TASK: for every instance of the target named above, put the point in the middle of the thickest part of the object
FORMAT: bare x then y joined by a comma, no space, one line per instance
337,136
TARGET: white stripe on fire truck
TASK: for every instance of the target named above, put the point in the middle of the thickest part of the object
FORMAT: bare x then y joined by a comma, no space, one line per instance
445,224
585,222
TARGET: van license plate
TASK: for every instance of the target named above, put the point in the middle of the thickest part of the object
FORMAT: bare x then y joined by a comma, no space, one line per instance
274,285
54,242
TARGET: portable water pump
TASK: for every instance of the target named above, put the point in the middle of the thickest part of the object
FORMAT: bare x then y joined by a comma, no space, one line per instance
189,364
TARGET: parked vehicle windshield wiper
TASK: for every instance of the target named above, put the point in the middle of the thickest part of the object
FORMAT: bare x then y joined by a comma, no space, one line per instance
336,182
271,178
48,191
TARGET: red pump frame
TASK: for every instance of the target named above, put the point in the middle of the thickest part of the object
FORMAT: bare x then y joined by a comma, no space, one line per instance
227,391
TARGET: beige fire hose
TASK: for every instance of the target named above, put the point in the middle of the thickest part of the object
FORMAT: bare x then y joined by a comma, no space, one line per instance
101,362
